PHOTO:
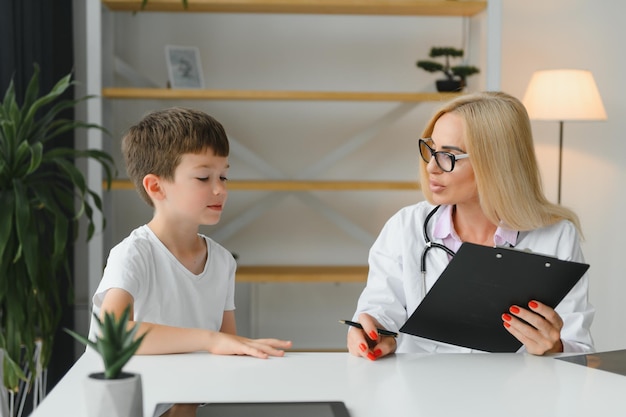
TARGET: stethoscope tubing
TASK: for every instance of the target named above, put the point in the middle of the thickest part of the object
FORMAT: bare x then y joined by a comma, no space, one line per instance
430,244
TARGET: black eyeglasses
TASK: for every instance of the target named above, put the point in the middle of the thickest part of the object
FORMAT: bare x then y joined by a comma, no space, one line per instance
445,160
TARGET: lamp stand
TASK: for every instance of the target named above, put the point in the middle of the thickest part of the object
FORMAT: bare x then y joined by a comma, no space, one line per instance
560,158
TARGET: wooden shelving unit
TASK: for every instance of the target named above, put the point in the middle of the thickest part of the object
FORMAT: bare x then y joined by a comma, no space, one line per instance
283,273
265,95
292,185
311,273
356,7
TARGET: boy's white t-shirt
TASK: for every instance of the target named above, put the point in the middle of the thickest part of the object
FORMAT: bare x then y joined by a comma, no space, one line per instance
164,291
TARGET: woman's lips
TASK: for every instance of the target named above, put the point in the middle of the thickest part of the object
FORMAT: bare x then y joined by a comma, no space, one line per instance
435,187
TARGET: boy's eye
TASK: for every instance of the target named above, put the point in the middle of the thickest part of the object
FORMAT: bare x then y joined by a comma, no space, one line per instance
203,179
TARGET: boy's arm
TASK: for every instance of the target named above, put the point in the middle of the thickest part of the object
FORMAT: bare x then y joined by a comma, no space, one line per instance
228,322
162,339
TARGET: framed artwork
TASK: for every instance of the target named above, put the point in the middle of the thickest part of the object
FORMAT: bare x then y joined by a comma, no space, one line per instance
183,66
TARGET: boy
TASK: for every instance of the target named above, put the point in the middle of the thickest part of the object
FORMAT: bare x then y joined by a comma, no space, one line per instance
179,283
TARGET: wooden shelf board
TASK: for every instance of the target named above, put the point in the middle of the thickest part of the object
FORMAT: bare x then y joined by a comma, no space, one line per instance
288,185
356,7
310,273
184,94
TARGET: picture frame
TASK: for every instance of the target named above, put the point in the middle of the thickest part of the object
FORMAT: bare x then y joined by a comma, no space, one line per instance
184,67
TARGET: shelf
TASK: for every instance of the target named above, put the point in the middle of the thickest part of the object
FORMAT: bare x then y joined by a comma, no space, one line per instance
182,94
313,273
290,185
356,7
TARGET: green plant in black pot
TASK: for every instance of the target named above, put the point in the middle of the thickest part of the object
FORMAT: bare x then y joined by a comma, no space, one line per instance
43,195
455,75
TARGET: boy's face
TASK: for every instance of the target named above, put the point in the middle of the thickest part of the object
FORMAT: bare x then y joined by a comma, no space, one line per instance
198,192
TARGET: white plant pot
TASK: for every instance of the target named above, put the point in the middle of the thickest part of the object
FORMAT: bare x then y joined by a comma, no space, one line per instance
114,397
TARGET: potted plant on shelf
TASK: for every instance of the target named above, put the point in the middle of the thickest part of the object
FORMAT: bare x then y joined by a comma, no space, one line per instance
43,195
116,343
455,75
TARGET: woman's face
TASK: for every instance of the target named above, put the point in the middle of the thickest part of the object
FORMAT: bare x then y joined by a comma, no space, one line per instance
459,185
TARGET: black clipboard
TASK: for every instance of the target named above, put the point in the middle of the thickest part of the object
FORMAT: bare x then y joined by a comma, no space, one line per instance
465,305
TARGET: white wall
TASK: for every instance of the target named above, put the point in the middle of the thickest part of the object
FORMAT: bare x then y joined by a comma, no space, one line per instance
581,34
377,54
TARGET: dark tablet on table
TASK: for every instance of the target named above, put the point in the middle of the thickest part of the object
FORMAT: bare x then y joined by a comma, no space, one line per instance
267,409
612,361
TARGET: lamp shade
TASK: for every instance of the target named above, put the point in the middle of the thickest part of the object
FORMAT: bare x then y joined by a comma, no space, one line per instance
564,94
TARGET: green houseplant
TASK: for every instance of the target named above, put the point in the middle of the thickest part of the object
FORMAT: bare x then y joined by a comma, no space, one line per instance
43,195
116,343
455,75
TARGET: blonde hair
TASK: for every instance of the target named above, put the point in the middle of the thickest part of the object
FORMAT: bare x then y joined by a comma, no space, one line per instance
499,142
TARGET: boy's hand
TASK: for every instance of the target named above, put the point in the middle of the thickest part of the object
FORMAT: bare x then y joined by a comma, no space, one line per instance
228,344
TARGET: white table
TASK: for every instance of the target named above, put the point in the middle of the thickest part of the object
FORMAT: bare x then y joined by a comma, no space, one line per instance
502,385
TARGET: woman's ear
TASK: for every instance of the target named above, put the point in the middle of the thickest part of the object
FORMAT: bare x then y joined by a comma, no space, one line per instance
152,185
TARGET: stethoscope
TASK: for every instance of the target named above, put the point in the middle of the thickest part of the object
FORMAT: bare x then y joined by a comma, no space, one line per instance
430,245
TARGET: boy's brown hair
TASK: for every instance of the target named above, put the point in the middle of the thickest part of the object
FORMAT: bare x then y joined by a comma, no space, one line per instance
156,143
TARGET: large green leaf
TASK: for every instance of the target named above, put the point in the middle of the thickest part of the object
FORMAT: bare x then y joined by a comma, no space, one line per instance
31,109
12,373
27,235
9,136
36,152
21,158
7,203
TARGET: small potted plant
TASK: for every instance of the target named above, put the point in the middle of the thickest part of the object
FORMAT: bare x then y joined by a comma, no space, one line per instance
116,344
455,75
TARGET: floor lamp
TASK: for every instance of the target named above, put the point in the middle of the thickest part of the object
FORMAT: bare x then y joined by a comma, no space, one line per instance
563,95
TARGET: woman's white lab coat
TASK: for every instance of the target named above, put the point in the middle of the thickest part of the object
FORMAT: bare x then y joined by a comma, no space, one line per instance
394,288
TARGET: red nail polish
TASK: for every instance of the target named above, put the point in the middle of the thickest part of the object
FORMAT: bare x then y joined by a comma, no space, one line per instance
371,356
378,352
507,325
362,347
533,304
373,335
506,317
514,309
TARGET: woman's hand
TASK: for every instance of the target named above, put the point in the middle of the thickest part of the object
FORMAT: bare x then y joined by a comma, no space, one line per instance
367,342
540,330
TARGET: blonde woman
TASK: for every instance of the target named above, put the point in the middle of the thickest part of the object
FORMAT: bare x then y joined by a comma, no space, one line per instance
480,177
